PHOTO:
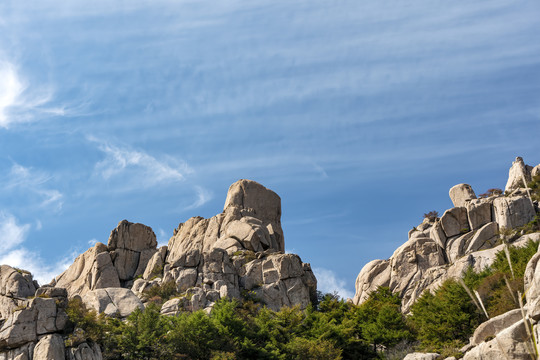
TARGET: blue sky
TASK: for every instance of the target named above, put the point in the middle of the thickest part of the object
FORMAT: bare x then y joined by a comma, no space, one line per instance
359,114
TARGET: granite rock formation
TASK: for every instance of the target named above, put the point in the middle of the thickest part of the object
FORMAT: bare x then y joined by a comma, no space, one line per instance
465,236
440,248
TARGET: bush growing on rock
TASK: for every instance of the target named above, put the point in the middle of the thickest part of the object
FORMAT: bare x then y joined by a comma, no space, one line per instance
432,215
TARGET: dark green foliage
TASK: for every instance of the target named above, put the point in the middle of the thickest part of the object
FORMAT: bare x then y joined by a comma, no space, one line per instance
520,256
92,325
534,185
381,320
446,318
249,331
162,293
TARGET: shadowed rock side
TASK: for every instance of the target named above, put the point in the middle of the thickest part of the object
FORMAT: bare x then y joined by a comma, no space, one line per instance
464,236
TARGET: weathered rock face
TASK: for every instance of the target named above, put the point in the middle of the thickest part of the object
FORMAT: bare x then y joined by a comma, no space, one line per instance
233,253
493,326
460,194
112,301
518,173
131,246
228,255
511,343
438,249
421,356
84,352
15,286
50,347
16,283
512,212
375,274
91,270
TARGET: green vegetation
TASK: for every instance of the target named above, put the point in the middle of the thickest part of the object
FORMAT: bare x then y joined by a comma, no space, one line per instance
444,320
334,329
440,321
491,192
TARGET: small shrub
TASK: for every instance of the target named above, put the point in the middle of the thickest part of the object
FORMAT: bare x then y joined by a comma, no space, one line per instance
163,292
432,215
534,185
490,193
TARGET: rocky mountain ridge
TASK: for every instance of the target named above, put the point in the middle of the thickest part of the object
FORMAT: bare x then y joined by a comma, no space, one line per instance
233,254
469,235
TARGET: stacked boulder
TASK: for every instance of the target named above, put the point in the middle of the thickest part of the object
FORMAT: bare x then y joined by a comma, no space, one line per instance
468,236
237,253
464,236
33,321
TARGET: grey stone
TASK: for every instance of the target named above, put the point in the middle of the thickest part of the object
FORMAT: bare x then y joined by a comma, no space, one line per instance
50,347
454,221
495,325
511,212
113,301
460,194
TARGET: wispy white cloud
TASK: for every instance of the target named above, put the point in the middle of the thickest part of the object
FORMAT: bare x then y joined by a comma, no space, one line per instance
162,237
141,169
328,282
34,182
203,196
11,233
10,90
14,253
20,101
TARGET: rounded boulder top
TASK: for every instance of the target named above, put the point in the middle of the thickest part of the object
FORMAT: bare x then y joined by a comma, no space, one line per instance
251,196
461,193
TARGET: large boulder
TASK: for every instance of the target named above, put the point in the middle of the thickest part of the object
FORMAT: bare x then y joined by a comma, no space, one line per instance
518,173
91,270
113,301
132,246
373,275
50,347
84,351
480,212
460,194
511,343
454,221
16,283
489,329
514,211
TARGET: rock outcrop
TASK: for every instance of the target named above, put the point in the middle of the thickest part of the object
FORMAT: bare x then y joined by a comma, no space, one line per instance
442,248
238,253
518,175
33,319
231,254
469,235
